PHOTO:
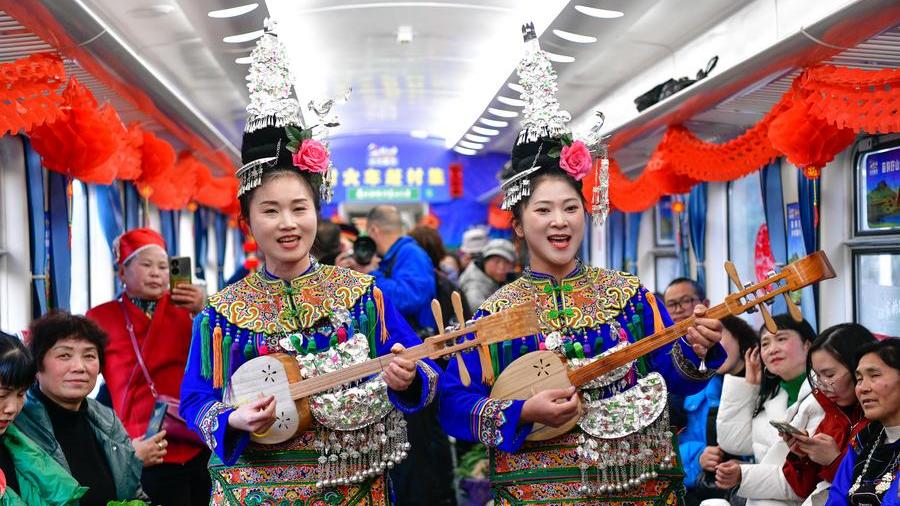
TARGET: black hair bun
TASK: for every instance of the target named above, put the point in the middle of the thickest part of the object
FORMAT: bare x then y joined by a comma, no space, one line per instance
535,154
263,143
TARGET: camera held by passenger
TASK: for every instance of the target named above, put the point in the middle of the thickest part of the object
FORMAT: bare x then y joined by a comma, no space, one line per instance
363,250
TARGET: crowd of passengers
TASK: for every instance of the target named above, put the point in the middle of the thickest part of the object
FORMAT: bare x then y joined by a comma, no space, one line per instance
834,397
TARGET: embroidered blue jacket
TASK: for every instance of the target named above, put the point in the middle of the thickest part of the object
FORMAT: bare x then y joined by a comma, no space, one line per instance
253,315
591,308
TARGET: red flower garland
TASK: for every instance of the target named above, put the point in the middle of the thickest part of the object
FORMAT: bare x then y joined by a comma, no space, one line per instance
813,122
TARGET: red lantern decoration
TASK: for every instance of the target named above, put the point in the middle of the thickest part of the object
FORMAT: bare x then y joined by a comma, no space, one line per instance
807,141
158,175
456,180
80,142
214,192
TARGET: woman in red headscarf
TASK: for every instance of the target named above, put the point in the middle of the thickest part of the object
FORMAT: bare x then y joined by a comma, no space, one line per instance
149,330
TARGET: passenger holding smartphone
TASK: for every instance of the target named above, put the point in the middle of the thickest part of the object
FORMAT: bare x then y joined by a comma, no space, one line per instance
149,328
814,460
775,388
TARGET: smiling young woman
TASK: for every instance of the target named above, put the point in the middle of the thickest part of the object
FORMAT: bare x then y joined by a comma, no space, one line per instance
325,317
617,454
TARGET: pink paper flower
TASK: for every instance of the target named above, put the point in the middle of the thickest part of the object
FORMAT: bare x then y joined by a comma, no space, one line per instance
575,160
311,156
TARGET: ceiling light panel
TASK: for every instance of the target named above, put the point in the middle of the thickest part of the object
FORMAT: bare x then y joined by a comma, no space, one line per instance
574,37
502,113
470,145
493,122
465,151
599,13
234,11
243,37
515,102
516,87
477,138
559,58
485,131
455,89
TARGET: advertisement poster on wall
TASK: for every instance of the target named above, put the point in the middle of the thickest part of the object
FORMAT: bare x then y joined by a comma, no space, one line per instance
878,192
795,247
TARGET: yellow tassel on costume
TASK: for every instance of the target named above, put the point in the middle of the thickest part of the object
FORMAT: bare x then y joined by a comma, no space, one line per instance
487,368
379,306
657,317
217,358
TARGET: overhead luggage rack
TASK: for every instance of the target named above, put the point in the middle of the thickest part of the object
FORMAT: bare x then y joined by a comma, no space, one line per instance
863,35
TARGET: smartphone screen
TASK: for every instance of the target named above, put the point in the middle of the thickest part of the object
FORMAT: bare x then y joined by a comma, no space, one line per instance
156,419
179,271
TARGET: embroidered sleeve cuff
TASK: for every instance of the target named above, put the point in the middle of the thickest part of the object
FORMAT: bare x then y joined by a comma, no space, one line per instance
213,427
687,363
495,422
411,400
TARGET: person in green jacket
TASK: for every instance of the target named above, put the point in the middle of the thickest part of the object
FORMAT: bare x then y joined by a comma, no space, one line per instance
80,434
28,475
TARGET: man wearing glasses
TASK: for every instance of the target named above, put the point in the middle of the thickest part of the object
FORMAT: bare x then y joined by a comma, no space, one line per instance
681,296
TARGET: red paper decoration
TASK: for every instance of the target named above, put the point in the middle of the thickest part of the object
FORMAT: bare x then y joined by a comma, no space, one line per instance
215,192
807,141
818,118
28,95
157,170
127,159
80,142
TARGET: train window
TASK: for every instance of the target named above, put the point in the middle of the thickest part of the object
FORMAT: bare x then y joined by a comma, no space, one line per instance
746,225
664,223
15,269
80,243
665,270
876,279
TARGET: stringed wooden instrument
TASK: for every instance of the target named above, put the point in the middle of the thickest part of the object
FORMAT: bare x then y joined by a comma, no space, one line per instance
543,370
278,374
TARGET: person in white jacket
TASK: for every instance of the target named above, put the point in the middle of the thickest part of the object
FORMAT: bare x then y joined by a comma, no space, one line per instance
775,388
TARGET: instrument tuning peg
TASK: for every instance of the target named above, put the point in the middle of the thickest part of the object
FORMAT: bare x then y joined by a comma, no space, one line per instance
793,309
456,299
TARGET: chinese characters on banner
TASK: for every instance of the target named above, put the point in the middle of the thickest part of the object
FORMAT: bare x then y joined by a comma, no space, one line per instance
389,173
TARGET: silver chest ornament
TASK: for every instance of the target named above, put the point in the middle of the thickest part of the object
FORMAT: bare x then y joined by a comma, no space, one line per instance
360,434
627,437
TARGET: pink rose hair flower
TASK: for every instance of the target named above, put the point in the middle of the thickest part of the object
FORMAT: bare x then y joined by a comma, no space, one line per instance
312,156
576,160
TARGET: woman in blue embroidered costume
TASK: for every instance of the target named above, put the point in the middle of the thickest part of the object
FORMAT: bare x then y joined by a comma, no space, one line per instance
326,317
869,474
622,450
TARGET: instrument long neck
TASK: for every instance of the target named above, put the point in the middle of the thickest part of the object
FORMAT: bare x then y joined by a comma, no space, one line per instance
640,348
318,384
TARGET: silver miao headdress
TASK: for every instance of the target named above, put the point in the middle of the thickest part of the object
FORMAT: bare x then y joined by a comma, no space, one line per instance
542,118
275,127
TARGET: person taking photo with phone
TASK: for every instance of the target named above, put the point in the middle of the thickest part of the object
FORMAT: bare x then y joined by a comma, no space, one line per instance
149,329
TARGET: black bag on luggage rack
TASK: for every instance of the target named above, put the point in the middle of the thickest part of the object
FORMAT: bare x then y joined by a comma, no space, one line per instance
672,86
